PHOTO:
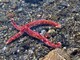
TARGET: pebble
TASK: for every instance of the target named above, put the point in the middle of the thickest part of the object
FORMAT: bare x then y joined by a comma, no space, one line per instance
51,31
4,1
10,14
20,9
48,1
64,3
25,57
76,58
77,37
76,9
3,28
4,48
71,50
14,6
43,32
30,51
38,15
3,18
22,39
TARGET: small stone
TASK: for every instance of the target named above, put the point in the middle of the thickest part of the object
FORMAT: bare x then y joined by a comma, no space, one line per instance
3,19
34,58
20,9
3,28
70,50
76,58
77,37
14,6
43,32
10,14
76,9
30,51
47,35
18,50
54,17
48,1
79,59
4,1
63,5
25,57
51,31
38,15
4,48
34,5
22,39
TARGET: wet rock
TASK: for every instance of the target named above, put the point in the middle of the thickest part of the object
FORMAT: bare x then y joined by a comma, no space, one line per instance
20,9
77,37
51,31
24,38
14,6
76,58
54,17
4,1
77,17
3,28
72,51
34,1
43,32
10,14
4,48
57,54
30,52
3,18
76,9
47,35
48,1
64,4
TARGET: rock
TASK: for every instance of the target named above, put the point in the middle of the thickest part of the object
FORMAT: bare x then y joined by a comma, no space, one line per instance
79,59
57,54
10,14
4,48
71,51
76,9
51,31
33,1
76,58
30,51
47,35
20,9
77,37
14,6
48,1
43,32
3,18
4,1
3,28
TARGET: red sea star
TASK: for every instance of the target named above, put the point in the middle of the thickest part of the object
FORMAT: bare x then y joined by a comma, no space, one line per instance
26,28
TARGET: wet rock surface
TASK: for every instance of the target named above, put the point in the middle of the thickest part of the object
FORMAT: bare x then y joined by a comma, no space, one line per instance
57,54
67,13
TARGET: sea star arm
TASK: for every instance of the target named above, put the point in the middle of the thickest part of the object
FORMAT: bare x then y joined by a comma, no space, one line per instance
38,22
14,37
42,38
14,24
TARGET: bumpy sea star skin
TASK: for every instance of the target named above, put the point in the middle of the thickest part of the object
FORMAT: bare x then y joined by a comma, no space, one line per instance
26,28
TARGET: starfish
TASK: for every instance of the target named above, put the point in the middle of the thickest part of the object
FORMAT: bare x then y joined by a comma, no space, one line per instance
26,28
